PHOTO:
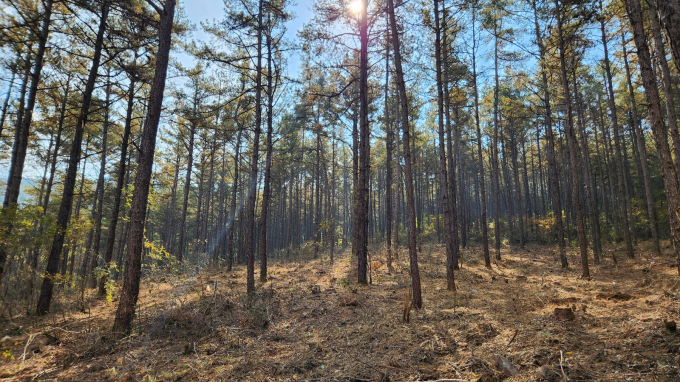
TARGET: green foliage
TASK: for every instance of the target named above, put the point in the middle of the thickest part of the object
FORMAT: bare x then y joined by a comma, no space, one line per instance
109,286
158,258
24,220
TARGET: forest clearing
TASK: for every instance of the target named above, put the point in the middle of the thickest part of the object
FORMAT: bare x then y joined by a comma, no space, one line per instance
343,190
311,321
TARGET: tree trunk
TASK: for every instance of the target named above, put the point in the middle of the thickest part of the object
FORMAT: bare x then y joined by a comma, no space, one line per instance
615,126
100,185
410,198
249,232
571,140
187,185
593,213
667,80
518,186
24,122
64,214
361,206
130,292
389,139
642,150
331,206
494,158
669,12
670,175
482,187
232,208
451,137
444,180
268,162
6,103
117,196
57,144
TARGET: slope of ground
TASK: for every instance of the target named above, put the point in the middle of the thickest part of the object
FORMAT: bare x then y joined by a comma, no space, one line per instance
311,321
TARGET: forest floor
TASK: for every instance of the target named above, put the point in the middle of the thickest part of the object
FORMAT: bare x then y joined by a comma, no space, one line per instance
311,321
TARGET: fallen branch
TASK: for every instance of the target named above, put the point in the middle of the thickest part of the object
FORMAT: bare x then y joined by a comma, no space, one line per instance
30,338
513,338
562,367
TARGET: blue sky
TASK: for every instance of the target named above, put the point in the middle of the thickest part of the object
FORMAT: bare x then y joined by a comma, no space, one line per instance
196,11
202,10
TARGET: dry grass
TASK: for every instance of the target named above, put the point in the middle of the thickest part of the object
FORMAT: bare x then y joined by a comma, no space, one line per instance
311,321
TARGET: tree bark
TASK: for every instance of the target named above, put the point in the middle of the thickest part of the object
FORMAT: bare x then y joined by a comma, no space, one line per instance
669,173
494,158
130,292
187,183
571,140
389,139
64,214
482,187
669,12
24,122
514,153
232,208
5,104
249,232
100,185
362,191
642,150
615,126
593,212
669,94
117,196
408,175
268,162
444,180
451,264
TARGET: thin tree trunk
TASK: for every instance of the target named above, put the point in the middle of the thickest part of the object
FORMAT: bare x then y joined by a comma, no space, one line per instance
571,139
669,12
494,158
332,223
515,170
57,144
444,180
100,185
362,190
6,103
234,191
21,144
642,150
452,185
389,138
64,214
249,232
482,186
615,126
410,198
670,175
268,162
669,94
117,196
398,186
588,174
187,185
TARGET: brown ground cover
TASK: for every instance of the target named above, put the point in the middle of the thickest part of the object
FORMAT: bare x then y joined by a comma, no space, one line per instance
311,321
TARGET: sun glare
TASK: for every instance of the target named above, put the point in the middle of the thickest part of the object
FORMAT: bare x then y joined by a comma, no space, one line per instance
356,6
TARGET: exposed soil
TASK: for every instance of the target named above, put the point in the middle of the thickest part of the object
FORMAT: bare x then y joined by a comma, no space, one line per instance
311,321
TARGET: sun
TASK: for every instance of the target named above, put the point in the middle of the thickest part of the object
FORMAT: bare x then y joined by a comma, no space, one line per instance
356,6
